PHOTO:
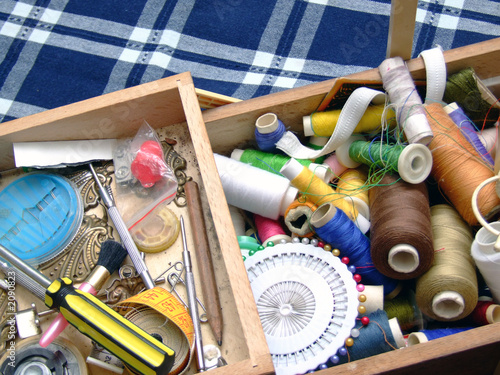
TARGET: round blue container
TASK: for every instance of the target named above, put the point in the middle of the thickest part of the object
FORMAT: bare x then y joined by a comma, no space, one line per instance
39,216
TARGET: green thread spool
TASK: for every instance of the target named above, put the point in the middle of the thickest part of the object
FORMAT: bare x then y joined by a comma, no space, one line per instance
274,162
466,89
413,162
404,308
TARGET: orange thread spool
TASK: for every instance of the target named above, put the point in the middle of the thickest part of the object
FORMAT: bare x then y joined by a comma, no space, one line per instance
457,168
297,216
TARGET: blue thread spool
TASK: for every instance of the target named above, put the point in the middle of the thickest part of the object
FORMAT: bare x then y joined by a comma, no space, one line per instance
334,227
268,131
381,335
468,129
431,334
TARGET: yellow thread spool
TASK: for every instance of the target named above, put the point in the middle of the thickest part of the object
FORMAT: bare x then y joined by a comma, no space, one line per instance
322,124
352,184
320,192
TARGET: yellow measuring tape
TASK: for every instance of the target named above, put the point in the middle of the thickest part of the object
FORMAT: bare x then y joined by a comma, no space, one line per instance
164,317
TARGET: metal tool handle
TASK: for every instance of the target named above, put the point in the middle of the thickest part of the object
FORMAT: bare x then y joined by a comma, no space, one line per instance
23,279
193,305
32,274
129,244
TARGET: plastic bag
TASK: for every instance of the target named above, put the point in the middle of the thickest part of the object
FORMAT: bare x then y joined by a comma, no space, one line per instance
143,178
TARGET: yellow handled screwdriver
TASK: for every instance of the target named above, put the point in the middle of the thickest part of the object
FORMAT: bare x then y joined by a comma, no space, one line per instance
137,349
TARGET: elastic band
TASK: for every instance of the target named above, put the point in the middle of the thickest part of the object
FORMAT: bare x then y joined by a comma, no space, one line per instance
435,68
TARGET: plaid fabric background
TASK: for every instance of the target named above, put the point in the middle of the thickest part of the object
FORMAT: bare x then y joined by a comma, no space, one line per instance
56,52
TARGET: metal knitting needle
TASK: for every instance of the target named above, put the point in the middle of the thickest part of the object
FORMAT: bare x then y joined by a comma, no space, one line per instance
128,242
193,305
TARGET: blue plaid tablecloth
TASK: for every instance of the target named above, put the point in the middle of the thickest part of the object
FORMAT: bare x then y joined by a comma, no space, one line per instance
56,52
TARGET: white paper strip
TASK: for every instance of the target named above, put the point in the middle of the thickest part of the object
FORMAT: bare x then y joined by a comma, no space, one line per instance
58,154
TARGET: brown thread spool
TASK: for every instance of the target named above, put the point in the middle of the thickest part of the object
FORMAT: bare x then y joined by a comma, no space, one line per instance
448,291
457,168
401,236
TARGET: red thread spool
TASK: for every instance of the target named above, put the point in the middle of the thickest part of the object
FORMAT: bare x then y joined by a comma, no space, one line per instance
485,312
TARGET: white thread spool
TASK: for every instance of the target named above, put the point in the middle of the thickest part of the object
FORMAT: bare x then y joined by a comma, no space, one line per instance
342,152
374,298
397,333
238,220
403,94
488,138
487,259
253,189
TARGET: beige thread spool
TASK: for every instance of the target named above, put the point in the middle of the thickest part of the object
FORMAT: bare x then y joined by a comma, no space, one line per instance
448,290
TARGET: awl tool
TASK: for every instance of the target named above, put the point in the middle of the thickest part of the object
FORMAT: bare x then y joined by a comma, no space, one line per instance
127,240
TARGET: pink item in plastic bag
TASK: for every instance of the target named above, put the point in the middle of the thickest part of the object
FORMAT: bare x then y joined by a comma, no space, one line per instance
148,165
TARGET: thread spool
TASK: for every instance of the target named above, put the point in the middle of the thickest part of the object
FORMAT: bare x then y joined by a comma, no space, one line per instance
334,227
457,168
322,124
401,235
426,335
298,215
471,94
379,336
485,312
412,162
374,298
352,183
402,92
238,220
468,129
489,139
487,259
448,290
319,192
274,162
405,309
335,165
270,230
253,189
268,131
342,152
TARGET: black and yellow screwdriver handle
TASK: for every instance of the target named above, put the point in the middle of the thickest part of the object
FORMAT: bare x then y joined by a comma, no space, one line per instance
137,349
